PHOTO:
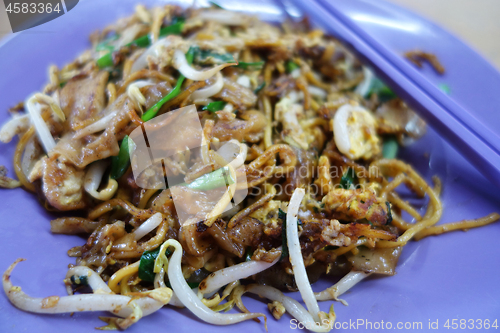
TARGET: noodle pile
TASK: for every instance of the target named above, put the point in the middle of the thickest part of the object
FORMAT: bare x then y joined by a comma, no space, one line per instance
316,140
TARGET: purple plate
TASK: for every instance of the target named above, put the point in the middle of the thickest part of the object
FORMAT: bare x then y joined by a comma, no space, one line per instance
449,277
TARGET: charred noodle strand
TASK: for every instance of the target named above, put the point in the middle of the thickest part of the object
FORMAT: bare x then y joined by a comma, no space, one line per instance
126,271
286,154
437,190
342,250
462,225
433,201
316,121
396,200
18,155
143,74
111,91
159,238
158,16
190,299
145,198
126,255
315,81
302,85
437,185
252,208
135,118
268,72
263,175
124,288
400,223
183,95
403,225
110,204
268,131
392,185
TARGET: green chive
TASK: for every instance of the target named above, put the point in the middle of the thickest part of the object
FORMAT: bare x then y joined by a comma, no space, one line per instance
382,90
173,29
153,111
206,56
251,65
119,164
291,66
389,213
284,246
259,87
106,60
248,253
390,148
104,45
147,264
79,280
209,181
215,106
347,180
143,41
215,5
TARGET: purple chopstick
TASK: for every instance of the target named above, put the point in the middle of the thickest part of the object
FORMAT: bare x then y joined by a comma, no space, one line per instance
478,141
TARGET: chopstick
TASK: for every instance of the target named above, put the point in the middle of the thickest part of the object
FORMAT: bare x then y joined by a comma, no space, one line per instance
478,144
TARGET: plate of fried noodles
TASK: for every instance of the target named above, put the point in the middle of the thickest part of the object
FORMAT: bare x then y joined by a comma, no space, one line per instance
354,208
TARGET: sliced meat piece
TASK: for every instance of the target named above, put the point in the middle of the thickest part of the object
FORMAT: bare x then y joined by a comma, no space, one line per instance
247,232
234,93
251,128
90,148
395,117
82,98
62,185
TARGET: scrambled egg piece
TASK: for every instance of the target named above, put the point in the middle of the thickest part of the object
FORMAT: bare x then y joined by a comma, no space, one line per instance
354,130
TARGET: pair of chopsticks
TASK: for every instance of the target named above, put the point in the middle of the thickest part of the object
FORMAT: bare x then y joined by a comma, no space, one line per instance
459,126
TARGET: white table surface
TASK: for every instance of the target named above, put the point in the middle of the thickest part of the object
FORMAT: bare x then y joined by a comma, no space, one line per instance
475,21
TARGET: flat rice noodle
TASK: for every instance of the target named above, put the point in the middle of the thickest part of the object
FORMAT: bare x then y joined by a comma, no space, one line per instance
155,92
234,93
377,260
90,148
84,98
250,129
